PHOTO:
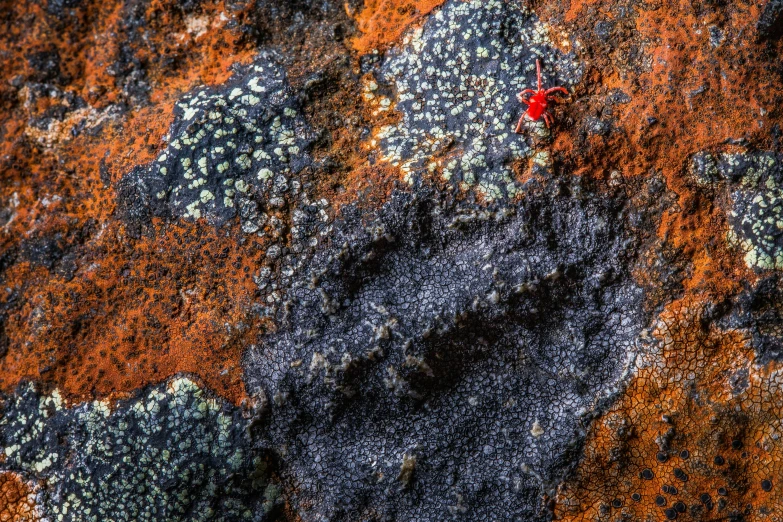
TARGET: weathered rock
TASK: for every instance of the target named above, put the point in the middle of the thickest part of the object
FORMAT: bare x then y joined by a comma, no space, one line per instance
476,340
268,260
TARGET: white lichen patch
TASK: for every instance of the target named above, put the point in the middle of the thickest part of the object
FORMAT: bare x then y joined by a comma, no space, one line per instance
248,130
145,458
456,82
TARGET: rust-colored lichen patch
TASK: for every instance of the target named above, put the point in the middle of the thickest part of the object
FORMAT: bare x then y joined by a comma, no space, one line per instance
381,22
199,47
17,501
134,311
88,307
697,427
685,69
354,176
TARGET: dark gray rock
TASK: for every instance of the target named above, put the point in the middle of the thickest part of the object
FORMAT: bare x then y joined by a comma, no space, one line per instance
230,151
770,24
473,342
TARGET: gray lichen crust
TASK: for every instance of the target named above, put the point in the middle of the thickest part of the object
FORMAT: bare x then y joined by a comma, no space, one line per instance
173,453
443,355
456,83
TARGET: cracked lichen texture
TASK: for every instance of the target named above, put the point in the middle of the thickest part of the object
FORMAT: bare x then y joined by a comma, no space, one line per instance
17,499
696,434
173,453
438,360
456,82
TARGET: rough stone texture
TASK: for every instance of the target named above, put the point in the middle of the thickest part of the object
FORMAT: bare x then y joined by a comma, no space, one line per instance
225,146
266,260
474,341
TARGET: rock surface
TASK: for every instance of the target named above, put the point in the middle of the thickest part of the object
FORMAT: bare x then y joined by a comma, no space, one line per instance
268,260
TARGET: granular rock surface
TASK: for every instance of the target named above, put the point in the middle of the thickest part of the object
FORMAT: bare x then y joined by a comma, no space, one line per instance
282,261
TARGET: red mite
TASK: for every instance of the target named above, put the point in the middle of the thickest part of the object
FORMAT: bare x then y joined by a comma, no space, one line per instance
538,102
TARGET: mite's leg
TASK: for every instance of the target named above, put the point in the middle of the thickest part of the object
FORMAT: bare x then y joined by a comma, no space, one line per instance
538,73
519,125
526,91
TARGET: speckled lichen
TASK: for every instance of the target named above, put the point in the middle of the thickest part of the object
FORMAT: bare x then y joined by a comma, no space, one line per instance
232,150
238,150
173,453
456,82
756,216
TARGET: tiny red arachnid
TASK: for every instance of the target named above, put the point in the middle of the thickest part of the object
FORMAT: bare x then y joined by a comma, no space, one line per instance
538,101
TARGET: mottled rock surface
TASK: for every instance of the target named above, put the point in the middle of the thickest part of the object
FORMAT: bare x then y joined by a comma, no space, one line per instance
266,260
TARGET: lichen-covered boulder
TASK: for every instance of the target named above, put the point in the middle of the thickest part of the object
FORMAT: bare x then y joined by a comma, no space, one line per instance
283,261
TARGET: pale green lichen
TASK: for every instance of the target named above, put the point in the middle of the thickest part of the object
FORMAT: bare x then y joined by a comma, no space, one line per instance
173,453
456,82
756,216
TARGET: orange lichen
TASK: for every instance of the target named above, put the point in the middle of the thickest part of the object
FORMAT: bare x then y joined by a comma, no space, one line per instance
357,180
202,41
121,312
698,424
17,500
135,312
576,7
382,22
687,92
